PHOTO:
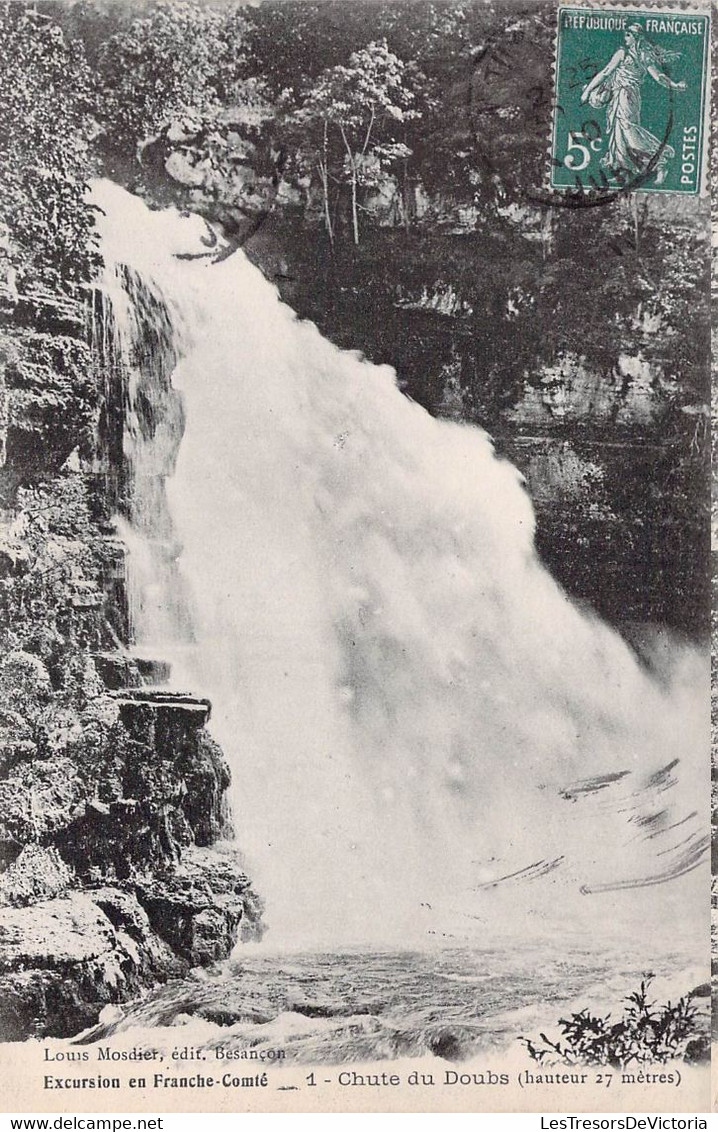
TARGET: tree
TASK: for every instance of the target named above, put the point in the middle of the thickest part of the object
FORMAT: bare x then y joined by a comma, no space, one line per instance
181,60
350,122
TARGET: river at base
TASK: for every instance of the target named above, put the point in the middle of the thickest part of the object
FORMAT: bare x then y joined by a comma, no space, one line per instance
325,1007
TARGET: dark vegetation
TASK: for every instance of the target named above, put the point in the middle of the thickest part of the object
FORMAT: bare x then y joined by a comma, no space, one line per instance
645,1033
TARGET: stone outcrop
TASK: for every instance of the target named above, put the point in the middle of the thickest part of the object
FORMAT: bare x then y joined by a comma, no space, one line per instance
62,960
66,952
114,830
201,906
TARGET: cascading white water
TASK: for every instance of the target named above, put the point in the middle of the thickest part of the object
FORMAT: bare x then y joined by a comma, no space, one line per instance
412,708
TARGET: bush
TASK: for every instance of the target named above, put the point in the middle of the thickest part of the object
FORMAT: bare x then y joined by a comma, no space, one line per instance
644,1033
180,59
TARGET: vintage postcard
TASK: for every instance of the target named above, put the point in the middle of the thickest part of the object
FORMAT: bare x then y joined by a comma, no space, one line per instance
354,556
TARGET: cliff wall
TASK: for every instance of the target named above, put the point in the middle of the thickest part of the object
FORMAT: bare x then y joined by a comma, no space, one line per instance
118,863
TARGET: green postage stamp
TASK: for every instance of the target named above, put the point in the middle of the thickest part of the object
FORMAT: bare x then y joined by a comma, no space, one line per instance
629,109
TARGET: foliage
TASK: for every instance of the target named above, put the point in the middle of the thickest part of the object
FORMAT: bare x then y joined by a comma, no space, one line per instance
350,121
645,1032
181,60
45,126
291,45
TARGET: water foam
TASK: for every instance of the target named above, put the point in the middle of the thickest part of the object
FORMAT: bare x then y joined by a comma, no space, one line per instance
413,709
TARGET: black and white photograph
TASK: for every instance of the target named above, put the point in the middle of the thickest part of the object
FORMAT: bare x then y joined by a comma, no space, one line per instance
355,567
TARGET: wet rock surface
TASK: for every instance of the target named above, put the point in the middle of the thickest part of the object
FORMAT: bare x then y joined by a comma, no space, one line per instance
199,906
62,960
117,875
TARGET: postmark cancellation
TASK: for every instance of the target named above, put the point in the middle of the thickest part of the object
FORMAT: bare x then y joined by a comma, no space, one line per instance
630,100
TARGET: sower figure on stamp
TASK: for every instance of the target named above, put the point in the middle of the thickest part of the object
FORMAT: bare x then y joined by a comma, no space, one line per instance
618,88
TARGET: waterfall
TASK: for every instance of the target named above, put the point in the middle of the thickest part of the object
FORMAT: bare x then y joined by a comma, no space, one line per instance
137,339
422,727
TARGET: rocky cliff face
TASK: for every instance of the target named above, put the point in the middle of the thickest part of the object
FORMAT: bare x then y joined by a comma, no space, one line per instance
117,864
120,871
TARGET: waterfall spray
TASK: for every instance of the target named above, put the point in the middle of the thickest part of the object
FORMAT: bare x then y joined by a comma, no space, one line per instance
418,719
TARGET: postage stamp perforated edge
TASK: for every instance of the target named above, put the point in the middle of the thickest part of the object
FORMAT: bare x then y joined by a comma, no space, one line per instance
640,11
